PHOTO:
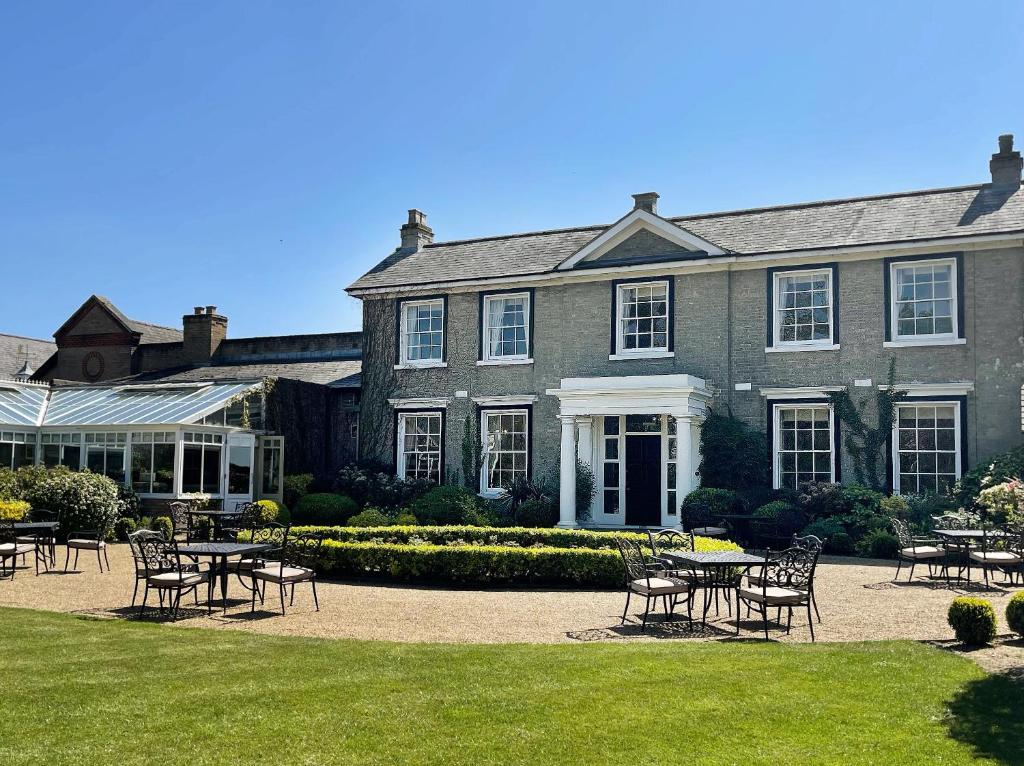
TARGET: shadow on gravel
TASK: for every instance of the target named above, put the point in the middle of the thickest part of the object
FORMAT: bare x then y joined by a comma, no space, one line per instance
987,715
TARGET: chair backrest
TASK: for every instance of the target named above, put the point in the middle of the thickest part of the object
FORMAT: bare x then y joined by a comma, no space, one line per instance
249,514
41,514
811,543
6,530
179,510
791,568
270,533
633,558
899,526
670,540
696,515
949,521
158,555
302,550
135,543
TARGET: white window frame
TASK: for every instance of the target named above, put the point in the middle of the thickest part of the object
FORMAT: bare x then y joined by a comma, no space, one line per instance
957,435
486,489
403,334
486,328
204,440
935,339
400,437
820,344
777,436
14,438
621,352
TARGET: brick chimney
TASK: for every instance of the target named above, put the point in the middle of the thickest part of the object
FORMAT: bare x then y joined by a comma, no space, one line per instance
204,329
1006,163
647,201
416,233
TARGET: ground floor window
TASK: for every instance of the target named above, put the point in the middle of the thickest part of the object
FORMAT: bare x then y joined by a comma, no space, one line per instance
927,455
803,444
200,463
17,449
62,449
271,460
419,445
152,462
506,445
610,474
104,454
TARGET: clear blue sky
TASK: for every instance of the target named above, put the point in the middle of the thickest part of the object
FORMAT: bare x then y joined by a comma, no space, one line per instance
260,156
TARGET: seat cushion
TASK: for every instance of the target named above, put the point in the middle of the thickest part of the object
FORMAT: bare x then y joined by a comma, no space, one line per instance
245,565
176,579
922,552
16,549
285,574
90,545
773,595
995,557
661,586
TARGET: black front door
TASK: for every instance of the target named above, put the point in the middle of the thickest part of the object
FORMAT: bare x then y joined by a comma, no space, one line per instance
643,480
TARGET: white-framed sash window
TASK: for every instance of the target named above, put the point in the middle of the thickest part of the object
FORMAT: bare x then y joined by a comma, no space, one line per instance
505,436
153,462
643,317
803,444
105,454
419,445
923,301
926,451
506,327
17,448
421,333
803,309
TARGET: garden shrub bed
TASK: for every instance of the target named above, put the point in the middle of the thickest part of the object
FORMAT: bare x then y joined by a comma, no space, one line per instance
479,555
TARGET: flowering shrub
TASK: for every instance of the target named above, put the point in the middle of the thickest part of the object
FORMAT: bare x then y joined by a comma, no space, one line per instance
13,510
82,500
1004,500
378,489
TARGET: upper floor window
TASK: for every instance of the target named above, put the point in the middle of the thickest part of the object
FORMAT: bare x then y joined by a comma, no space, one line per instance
421,332
923,302
643,319
506,327
803,308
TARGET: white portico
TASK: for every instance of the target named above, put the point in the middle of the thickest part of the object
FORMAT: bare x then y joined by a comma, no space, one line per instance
640,434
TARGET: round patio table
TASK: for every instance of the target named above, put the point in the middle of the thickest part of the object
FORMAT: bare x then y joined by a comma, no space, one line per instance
219,553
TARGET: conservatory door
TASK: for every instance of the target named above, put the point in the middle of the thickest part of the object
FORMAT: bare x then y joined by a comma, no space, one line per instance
270,468
238,469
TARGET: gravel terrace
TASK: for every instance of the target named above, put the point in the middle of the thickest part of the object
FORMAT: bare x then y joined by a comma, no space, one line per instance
857,598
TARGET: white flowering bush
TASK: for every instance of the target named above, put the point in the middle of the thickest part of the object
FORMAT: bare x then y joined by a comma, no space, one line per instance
1004,500
84,501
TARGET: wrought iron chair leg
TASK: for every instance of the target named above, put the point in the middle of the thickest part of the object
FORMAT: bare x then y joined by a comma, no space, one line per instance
106,557
912,565
789,619
899,564
647,611
76,559
292,602
810,623
624,611
764,616
135,591
67,558
281,589
814,603
145,595
316,601
252,607
99,560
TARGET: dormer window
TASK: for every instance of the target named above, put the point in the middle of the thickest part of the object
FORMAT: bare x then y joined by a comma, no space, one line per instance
642,319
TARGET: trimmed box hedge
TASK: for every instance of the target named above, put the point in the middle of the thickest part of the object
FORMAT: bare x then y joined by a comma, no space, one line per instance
480,555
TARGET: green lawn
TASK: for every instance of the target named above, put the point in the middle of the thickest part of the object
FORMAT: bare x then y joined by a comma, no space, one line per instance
111,692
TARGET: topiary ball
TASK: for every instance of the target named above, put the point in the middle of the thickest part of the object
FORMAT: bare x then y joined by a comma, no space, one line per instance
1015,614
973,620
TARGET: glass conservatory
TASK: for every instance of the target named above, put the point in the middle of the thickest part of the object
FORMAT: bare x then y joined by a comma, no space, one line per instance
164,440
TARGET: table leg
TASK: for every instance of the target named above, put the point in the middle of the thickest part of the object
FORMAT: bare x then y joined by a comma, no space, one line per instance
224,582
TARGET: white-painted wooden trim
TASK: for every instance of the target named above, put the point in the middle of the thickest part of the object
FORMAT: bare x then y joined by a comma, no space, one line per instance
799,392
924,342
787,348
420,402
777,438
950,338
432,365
629,355
959,388
510,400
957,439
485,340
812,345
499,362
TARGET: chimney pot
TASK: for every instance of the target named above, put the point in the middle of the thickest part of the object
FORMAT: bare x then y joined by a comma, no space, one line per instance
211,310
1006,164
416,233
198,310
647,201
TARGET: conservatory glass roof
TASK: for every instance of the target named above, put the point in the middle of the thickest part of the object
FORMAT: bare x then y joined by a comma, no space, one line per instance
152,404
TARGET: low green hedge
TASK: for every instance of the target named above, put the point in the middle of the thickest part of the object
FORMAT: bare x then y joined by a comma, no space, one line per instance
480,555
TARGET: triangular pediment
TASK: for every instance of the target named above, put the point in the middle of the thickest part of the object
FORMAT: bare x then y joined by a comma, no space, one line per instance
97,316
640,237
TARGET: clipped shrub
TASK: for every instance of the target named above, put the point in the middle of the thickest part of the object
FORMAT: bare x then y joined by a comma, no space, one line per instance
129,504
13,510
1015,613
324,508
296,486
272,511
716,500
124,527
539,512
733,455
773,509
447,504
83,500
406,520
878,544
371,517
370,487
163,524
973,620
1009,465
839,540
921,509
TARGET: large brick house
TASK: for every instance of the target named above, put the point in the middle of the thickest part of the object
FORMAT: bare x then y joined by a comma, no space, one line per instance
175,411
610,342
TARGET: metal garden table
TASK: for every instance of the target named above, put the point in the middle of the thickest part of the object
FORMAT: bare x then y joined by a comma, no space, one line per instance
717,566
219,553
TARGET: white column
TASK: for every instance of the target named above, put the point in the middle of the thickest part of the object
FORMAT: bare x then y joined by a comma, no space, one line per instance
691,477
585,445
567,473
684,467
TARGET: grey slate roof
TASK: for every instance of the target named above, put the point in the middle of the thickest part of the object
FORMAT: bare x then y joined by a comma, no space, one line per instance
335,374
14,349
154,333
904,217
